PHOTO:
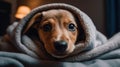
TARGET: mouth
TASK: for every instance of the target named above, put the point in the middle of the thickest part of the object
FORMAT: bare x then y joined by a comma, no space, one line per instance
59,49
59,55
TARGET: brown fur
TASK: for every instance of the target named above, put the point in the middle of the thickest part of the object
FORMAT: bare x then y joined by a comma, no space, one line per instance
59,20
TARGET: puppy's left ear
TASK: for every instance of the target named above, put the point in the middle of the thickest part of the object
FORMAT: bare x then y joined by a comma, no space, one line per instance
35,19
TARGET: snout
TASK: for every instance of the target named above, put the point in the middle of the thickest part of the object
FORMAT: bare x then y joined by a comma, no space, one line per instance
60,46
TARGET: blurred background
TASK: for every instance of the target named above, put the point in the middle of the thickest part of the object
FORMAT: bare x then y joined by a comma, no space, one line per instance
104,13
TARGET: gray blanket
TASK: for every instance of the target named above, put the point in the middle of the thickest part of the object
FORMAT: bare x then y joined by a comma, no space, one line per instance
109,59
95,50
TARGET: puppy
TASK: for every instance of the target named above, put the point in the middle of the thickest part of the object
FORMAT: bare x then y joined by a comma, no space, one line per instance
57,29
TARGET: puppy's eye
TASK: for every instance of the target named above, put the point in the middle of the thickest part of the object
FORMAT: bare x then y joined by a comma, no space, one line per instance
71,27
47,27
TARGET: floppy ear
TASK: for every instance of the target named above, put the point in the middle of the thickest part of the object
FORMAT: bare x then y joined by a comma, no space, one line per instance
35,19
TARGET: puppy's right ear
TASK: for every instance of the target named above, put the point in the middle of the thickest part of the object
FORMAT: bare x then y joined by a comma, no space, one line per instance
35,19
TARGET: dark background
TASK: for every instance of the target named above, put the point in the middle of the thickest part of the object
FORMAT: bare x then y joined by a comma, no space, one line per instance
98,10
4,16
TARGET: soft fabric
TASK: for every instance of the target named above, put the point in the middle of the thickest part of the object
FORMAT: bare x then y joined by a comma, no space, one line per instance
94,51
30,44
109,59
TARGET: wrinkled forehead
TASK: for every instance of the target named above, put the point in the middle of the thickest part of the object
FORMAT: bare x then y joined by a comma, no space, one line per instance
57,13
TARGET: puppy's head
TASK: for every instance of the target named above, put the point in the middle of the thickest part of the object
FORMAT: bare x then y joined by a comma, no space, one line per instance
57,30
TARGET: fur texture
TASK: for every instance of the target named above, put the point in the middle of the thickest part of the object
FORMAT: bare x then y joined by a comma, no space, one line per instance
28,41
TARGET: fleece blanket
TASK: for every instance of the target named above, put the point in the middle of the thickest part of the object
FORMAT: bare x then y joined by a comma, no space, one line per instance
109,59
94,45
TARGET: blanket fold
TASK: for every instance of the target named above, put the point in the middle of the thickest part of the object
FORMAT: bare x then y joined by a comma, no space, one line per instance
89,35
93,42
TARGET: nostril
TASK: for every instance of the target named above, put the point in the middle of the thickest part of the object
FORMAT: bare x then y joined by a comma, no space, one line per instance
60,46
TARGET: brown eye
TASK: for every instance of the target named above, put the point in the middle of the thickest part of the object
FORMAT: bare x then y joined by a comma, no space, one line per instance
47,27
71,27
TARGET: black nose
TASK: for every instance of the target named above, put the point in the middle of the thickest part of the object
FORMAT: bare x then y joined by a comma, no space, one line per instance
60,46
